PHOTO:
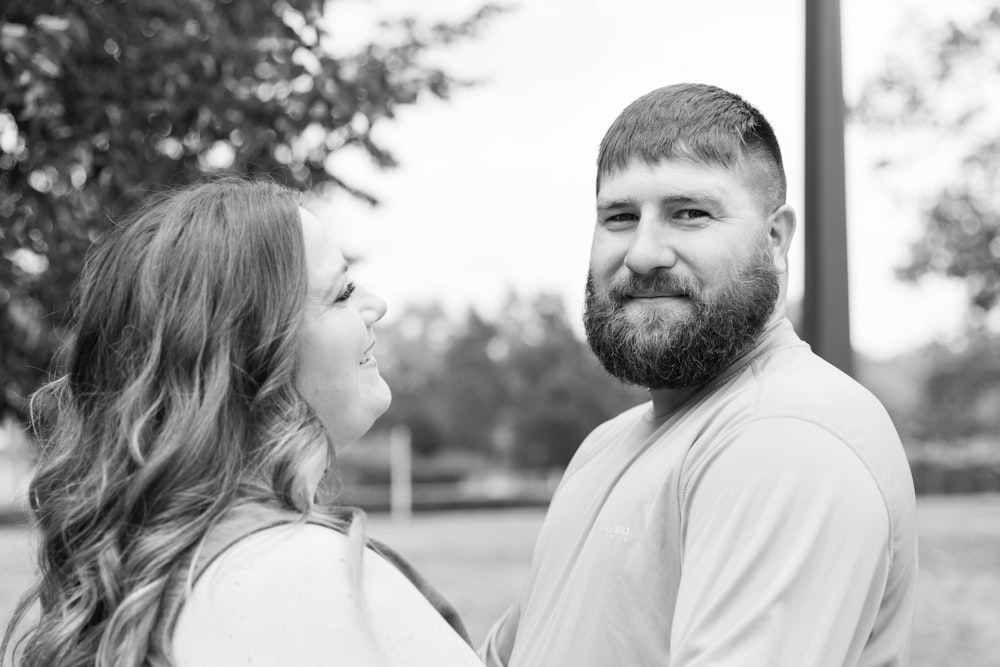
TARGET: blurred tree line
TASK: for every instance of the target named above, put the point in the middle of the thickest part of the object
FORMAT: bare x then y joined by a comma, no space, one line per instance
104,101
522,389
937,92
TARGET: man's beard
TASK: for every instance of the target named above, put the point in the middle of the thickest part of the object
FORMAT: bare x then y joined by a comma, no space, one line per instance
661,350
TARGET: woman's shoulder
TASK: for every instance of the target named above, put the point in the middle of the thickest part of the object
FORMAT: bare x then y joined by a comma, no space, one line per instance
295,553
279,592
306,594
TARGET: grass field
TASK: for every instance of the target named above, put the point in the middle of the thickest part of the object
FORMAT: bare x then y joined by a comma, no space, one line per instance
478,559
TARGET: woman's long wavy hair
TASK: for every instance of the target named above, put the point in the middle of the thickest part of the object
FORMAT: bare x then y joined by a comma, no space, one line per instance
175,403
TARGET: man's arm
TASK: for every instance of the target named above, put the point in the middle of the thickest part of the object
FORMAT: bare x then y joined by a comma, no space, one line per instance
786,552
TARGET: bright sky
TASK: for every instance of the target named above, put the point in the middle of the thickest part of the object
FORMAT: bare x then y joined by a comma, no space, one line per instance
495,188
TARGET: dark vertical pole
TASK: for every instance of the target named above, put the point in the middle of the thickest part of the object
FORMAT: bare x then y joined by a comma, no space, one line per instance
825,321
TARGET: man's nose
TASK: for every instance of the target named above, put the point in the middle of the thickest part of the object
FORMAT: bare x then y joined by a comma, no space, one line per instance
651,247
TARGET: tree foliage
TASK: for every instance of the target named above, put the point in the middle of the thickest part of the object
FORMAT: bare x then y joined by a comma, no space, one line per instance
962,392
941,92
522,389
938,92
104,101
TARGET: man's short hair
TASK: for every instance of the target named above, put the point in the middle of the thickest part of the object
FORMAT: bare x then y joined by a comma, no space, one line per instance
700,123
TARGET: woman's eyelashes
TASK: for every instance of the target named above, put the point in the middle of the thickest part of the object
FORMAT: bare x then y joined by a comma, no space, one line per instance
346,293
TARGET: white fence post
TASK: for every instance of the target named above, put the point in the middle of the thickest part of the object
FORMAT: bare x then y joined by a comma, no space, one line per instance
400,473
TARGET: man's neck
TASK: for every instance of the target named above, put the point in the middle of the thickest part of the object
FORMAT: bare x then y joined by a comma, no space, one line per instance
666,401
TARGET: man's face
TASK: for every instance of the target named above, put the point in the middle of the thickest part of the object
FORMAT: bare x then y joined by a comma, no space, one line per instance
682,276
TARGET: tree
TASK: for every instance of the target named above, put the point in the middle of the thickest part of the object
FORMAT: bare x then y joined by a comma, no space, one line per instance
105,101
521,388
962,392
939,94
558,390
411,354
473,385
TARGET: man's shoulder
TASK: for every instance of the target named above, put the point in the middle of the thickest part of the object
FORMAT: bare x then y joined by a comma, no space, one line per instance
798,383
796,386
794,394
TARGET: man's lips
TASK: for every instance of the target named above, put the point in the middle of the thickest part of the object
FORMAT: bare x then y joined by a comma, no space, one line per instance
655,300
655,295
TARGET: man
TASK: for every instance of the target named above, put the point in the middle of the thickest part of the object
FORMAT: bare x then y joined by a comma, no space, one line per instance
759,511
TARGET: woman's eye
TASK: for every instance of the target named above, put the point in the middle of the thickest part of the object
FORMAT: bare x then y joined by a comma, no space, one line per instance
346,294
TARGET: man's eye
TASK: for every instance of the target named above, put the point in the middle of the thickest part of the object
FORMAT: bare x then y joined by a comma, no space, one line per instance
691,214
346,294
619,218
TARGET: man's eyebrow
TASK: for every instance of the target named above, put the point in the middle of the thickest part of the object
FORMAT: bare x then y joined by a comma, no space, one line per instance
688,197
605,204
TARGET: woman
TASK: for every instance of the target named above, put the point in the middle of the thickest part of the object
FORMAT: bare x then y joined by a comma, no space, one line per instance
220,355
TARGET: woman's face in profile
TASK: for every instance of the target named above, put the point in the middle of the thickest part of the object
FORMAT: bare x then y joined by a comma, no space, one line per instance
337,373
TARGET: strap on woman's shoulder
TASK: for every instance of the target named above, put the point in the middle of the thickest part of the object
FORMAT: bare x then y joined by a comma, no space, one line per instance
237,524
447,611
438,601
340,522
245,520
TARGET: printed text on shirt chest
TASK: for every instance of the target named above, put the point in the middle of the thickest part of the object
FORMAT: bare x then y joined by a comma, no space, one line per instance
615,532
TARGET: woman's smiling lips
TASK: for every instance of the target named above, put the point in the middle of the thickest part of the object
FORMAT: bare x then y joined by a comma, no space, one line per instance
368,359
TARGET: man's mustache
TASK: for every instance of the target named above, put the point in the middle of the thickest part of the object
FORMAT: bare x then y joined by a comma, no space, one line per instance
658,282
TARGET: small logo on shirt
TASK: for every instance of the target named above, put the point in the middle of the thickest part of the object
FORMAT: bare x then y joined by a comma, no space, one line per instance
617,533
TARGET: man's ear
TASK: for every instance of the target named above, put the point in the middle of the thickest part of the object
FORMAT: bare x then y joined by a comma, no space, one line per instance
780,229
